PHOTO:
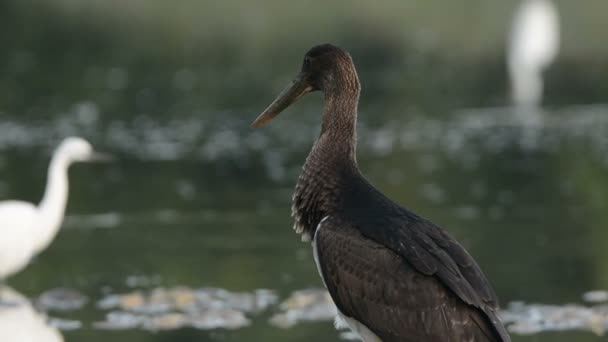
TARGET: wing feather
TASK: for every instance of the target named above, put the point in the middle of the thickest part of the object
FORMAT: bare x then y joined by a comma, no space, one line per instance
403,290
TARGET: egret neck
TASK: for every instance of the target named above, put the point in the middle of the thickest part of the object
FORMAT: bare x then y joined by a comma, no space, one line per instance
52,206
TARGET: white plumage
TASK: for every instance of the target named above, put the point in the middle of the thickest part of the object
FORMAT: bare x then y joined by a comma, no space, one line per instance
533,46
26,229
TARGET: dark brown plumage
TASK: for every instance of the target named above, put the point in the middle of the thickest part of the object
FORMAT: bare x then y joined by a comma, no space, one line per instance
387,269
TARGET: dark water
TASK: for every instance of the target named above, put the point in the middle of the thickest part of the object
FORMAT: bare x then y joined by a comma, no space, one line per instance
198,199
527,202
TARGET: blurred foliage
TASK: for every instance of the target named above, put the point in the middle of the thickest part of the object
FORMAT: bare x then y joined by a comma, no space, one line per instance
177,59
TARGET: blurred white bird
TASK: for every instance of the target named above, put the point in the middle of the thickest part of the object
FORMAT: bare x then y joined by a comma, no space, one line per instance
20,322
26,229
533,46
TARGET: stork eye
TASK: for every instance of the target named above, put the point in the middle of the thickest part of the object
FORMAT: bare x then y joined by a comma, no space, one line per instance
307,61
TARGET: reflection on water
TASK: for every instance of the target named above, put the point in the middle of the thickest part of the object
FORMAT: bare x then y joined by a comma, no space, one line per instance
20,322
533,46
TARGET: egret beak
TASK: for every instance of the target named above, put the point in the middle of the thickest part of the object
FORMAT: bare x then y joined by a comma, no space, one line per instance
101,157
298,88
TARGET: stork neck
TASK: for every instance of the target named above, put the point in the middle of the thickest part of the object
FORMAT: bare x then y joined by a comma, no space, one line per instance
331,162
339,126
52,206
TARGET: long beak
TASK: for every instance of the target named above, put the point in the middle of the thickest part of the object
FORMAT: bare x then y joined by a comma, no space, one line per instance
298,88
101,157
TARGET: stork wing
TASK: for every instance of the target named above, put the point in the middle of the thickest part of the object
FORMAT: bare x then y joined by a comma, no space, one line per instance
423,295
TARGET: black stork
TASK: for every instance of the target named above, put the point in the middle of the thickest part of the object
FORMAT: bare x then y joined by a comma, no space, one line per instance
393,275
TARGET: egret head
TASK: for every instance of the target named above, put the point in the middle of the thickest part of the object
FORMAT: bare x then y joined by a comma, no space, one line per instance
76,149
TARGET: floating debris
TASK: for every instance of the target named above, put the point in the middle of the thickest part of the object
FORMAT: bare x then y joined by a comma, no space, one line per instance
174,308
255,302
119,320
168,321
311,305
210,319
597,296
61,299
527,319
185,299
227,319
179,307
65,324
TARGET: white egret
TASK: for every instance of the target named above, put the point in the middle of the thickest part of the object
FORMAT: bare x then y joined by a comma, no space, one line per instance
20,322
27,229
533,45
